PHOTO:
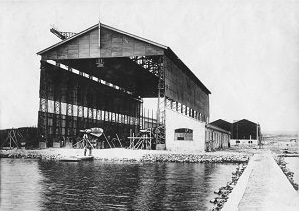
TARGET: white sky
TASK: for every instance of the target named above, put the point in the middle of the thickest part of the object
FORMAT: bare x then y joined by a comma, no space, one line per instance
245,51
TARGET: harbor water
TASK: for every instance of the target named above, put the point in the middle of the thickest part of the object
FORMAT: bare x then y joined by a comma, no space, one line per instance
97,185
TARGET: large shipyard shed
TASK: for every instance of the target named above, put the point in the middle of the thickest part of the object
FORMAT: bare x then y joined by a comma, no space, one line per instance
246,132
222,124
242,132
100,77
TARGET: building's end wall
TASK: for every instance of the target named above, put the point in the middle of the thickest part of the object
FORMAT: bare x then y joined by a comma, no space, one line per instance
175,120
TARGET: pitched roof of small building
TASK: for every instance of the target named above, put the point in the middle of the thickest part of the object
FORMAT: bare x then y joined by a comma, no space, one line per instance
210,126
244,121
222,124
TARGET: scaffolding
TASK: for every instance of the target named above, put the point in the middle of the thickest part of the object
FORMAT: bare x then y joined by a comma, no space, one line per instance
14,138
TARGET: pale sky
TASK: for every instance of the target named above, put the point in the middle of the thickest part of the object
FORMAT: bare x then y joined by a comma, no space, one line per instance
245,51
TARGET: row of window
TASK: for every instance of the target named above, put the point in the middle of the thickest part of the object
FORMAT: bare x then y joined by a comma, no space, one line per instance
249,142
80,111
216,136
183,109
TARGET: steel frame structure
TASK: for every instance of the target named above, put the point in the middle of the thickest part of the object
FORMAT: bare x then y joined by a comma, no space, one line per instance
67,105
154,64
118,70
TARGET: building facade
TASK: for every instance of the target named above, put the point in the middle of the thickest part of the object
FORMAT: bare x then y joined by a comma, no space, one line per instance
216,138
99,78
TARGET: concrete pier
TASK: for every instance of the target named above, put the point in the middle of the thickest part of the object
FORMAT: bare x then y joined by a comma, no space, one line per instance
263,186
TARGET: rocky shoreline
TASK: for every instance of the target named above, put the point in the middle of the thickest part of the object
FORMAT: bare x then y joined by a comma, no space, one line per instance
289,174
223,192
130,155
193,158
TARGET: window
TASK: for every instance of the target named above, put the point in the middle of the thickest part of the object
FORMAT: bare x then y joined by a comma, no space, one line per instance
185,134
180,108
50,122
50,130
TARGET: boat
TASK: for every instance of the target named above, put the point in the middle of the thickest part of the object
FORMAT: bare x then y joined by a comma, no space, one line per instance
76,158
89,157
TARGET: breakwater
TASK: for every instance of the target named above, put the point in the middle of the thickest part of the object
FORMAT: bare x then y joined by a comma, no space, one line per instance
289,174
223,192
193,158
262,186
130,155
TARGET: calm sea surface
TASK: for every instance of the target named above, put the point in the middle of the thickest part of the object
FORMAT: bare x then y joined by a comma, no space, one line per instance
97,185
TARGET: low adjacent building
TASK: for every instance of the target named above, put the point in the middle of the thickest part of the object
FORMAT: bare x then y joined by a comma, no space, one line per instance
216,138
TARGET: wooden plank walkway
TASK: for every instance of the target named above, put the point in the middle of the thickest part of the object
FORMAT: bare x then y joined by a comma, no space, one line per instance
263,186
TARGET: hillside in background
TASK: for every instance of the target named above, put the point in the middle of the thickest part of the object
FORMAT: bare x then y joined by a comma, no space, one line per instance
281,135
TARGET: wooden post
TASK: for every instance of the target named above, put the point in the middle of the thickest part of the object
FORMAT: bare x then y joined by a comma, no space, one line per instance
150,140
107,140
119,141
9,139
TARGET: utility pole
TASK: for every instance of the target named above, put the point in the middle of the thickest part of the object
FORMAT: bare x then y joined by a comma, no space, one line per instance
258,138
237,135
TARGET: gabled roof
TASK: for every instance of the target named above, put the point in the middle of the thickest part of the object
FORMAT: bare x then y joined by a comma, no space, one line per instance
166,49
245,121
220,121
104,26
222,124
210,126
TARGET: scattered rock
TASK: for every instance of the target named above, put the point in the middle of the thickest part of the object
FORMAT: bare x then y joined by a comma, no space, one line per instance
290,175
224,191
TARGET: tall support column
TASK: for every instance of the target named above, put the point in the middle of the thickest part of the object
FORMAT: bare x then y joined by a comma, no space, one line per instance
63,107
57,106
75,113
43,103
69,119
138,116
57,112
161,93
94,109
85,107
161,102
80,112
69,107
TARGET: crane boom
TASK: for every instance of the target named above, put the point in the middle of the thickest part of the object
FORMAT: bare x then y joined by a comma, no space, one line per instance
62,35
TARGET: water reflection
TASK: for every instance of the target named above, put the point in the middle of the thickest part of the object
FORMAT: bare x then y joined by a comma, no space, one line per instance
123,186
89,185
20,185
